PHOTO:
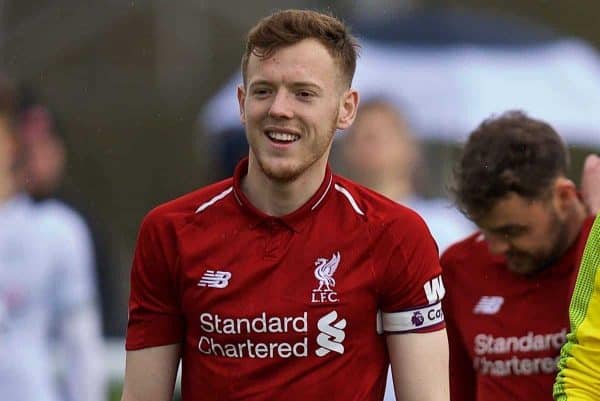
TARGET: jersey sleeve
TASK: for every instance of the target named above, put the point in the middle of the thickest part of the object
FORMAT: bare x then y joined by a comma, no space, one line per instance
155,316
412,287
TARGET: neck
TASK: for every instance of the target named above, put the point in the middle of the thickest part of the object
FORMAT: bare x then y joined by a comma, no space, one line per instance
396,188
7,187
278,198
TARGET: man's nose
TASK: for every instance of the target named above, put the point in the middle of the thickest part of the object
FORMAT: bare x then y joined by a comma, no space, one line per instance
281,107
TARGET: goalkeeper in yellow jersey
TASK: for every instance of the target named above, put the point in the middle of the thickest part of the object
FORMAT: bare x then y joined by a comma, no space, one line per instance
578,378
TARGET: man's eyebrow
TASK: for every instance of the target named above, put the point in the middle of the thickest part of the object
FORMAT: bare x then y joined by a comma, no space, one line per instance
305,84
260,82
297,84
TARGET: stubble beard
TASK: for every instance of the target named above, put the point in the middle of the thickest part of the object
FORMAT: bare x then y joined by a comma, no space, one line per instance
294,170
541,260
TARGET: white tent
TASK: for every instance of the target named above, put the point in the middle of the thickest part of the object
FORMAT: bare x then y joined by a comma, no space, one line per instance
447,91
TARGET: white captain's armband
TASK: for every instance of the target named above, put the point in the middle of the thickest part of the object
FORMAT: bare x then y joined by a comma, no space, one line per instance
411,320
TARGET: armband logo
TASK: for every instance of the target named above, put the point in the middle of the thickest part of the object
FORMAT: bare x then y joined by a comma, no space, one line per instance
417,319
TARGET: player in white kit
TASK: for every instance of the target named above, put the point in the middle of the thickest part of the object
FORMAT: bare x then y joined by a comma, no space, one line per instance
47,296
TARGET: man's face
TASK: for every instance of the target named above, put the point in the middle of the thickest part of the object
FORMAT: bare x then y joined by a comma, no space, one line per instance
7,147
291,105
379,144
530,234
44,154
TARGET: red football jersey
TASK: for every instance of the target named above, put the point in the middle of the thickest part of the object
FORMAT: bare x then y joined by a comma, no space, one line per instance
505,330
282,308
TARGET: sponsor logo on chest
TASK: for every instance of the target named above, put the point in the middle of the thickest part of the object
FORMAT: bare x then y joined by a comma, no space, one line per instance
242,337
249,337
517,355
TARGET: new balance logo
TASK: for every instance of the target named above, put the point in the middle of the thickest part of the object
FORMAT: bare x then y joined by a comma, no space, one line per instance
434,290
332,334
488,305
215,279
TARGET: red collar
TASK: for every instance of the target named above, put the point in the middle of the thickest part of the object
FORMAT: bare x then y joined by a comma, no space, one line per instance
294,220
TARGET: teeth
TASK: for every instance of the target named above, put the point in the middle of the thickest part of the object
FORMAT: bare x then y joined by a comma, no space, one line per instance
282,136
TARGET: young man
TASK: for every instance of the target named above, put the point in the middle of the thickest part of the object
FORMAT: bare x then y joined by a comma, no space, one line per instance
382,153
44,162
509,285
47,294
268,285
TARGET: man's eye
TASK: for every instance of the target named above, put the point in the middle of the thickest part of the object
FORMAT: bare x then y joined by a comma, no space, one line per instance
305,94
261,92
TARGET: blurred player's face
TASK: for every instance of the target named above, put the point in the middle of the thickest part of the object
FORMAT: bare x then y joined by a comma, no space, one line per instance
379,144
7,148
44,166
44,154
291,105
530,234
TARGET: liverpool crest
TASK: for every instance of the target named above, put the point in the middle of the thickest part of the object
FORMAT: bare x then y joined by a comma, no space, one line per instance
324,270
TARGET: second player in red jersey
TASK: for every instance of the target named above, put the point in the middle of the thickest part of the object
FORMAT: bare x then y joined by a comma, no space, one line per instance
508,286
505,329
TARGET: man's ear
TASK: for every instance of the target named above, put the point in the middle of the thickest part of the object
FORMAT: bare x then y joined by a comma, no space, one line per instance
348,109
565,192
241,96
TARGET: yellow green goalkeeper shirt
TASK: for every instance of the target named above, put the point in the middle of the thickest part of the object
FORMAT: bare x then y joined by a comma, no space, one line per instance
578,378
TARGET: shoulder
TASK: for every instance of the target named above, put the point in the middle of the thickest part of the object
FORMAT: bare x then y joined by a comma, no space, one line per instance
60,219
183,209
373,207
471,248
591,225
590,231
446,222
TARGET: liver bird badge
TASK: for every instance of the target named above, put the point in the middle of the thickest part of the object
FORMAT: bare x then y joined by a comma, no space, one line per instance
324,270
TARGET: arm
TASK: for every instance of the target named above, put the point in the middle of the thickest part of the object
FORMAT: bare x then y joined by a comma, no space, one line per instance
419,365
590,183
150,373
76,313
82,339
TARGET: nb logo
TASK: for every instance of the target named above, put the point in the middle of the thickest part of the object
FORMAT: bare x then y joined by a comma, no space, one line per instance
215,279
332,334
434,290
488,305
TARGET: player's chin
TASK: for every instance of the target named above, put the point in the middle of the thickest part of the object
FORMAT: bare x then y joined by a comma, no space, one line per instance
522,266
281,170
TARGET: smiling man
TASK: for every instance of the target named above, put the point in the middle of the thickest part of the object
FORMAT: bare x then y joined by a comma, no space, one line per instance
509,284
286,281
